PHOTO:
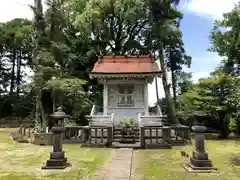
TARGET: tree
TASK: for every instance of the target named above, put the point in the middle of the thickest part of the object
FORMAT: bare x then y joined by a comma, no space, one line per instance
42,63
68,37
217,96
166,38
225,38
114,26
15,49
53,58
125,27
184,82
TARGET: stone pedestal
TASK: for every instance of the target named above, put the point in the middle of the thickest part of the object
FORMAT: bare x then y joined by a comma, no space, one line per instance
199,162
57,157
42,139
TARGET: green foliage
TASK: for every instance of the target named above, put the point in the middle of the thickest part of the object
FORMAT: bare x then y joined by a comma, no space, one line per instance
127,125
62,44
68,85
225,38
127,122
217,96
232,124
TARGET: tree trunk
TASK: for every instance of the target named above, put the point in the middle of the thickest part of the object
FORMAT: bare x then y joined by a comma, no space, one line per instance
224,128
54,102
38,119
173,76
171,111
174,87
156,85
19,64
39,25
13,71
223,125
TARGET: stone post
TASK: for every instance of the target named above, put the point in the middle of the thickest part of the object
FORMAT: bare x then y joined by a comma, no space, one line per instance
85,134
110,136
166,133
57,157
186,133
142,137
199,161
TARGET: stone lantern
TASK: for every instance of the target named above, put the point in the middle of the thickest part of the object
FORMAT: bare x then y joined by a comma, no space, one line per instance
59,116
199,162
57,157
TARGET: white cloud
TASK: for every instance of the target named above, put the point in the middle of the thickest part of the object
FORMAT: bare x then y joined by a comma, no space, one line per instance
11,9
210,8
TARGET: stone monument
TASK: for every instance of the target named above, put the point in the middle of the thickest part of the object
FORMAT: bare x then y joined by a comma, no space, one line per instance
199,162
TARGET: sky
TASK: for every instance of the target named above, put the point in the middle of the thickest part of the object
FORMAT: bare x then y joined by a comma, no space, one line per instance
199,16
197,23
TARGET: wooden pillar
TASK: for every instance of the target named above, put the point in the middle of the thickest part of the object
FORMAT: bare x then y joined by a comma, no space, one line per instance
146,98
105,97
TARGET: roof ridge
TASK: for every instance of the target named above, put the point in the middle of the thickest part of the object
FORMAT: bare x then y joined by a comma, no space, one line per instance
127,56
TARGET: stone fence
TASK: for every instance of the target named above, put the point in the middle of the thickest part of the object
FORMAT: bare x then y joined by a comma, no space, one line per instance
150,136
166,136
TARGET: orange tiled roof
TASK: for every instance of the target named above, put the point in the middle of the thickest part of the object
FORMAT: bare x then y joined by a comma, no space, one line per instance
125,64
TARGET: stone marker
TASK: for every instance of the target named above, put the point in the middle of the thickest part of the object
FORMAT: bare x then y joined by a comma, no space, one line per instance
57,157
199,161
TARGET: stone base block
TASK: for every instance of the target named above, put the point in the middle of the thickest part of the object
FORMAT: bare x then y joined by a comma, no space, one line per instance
43,138
57,155
236,161
56,164
56,167
200,163
193,169
200,155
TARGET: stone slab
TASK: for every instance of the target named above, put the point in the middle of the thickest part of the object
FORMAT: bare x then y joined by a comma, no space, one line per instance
121,165
192,169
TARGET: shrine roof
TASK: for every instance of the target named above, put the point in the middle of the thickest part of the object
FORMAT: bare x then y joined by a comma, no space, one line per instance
126,65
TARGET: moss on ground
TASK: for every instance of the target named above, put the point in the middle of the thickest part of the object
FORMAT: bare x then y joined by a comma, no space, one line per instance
165,164
21,161
24,161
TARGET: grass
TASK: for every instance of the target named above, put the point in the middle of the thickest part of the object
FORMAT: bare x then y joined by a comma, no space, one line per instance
165,164
24,161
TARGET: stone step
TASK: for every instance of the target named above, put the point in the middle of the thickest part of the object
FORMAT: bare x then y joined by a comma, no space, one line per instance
120,135
118,132
119,141
119,128
126,136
